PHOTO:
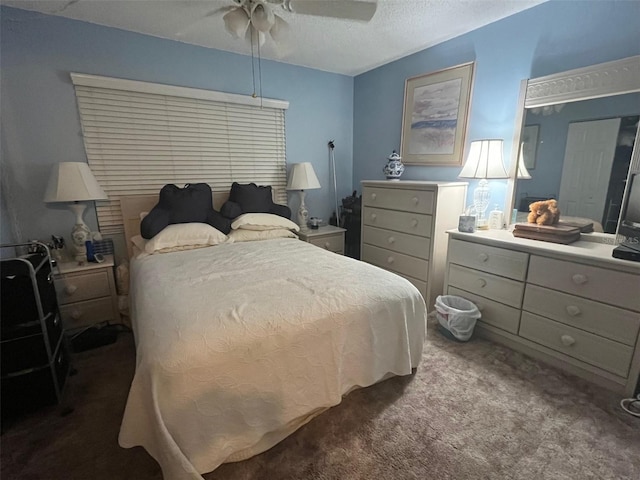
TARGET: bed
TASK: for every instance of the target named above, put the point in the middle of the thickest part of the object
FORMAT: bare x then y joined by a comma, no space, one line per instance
240,344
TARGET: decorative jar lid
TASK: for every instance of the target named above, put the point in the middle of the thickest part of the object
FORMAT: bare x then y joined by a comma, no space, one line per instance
394,156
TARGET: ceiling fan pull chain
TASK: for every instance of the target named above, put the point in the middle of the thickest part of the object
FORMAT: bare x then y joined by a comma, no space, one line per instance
259,70
253,72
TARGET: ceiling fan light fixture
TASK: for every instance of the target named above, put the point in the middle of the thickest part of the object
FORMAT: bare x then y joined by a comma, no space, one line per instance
262,17
237,22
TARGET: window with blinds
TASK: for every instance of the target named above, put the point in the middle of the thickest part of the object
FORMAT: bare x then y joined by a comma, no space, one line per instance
140,136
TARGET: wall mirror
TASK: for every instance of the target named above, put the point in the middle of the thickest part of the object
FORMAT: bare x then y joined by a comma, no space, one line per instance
578,137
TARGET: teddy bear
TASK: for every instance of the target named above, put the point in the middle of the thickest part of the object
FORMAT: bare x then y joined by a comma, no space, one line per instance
544,212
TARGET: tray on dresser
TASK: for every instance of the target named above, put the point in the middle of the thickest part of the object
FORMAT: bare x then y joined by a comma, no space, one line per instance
560,233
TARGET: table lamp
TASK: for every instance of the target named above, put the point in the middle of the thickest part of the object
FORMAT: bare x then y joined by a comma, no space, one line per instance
484,161
302,177
74,182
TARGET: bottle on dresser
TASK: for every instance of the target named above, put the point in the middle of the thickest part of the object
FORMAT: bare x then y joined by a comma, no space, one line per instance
496,219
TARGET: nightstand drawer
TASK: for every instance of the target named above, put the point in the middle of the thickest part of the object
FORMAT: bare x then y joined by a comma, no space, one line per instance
413,223
396,262
597,351
489,286
75,288
500,261
587,281
333,243
398,242
603,320
419,201
81,314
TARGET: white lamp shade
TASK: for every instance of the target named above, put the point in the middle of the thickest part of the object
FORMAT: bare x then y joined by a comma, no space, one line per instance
484,160
302,177
73,182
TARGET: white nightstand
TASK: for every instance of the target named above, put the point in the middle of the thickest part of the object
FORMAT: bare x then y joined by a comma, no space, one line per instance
87,293
327,237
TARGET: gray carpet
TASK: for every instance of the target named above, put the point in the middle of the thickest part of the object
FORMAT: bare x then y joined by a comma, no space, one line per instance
472,410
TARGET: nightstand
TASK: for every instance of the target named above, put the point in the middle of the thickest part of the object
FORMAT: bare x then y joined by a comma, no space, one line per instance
327,237
87,293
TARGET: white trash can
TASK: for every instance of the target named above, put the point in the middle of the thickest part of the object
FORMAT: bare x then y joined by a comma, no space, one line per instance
458,315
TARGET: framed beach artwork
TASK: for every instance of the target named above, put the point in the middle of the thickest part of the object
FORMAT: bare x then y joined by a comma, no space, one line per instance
434,121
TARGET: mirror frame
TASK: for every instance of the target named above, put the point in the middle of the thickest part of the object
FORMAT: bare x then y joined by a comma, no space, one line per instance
607,79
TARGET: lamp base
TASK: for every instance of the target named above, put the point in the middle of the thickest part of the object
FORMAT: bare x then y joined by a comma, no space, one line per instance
80,233
303,214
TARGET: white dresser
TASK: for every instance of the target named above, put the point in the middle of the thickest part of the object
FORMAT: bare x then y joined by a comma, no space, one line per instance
573,306
404,226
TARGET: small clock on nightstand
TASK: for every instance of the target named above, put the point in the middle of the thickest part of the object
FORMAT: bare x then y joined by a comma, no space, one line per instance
328,237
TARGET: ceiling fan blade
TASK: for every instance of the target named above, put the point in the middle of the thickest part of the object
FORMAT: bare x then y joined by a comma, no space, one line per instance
347,9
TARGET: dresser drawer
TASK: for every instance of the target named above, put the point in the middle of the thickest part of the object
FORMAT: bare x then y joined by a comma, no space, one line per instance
81,314
493,313
507,263
413,223
486,285
586,281
592,349
333,243
603,320
75,288
396,262
418,201
398,242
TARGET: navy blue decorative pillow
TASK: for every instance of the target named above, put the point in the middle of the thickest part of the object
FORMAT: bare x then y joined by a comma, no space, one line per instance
252,198
193,203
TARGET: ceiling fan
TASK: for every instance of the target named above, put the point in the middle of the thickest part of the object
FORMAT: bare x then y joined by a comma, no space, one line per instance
246,17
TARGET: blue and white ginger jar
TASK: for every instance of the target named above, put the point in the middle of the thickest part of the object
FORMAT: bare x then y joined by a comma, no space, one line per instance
394,167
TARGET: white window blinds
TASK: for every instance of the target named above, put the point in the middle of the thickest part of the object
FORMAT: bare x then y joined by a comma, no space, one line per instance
140,136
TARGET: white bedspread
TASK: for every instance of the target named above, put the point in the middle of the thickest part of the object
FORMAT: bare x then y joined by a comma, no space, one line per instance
238,345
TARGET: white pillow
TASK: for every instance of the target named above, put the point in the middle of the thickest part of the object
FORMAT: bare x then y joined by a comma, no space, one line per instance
263,221
242,235
182,235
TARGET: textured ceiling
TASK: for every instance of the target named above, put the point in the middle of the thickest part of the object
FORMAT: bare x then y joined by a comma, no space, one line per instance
398,28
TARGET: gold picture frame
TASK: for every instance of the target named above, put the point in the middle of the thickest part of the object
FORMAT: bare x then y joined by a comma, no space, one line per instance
435,116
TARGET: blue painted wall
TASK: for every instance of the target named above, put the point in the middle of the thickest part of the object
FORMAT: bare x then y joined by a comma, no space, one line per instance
551,37
40,123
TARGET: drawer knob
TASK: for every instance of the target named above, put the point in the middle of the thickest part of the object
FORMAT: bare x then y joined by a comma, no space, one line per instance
567,340
327,245
483,257
76,314
414,223
373,196
416,200
373,216
391,240
482,282
56,321
70,289
390,260
573,310
579,279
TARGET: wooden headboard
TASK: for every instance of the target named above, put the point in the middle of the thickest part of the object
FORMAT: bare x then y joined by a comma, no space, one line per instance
132,206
